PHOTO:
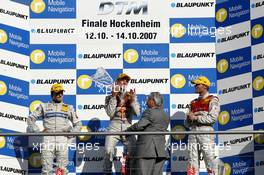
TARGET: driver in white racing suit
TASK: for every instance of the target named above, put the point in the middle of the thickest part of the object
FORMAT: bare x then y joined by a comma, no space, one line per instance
202,114
57,117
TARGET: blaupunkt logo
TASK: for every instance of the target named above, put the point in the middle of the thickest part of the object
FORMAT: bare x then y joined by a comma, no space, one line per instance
178,137
33,105
35,160
259,138
177,30
2,142
37,6
3,88
258,83
37,56
84,81
178,81
131,56
257,31
3,37
222,66
221,15
91,107
235,88
223,118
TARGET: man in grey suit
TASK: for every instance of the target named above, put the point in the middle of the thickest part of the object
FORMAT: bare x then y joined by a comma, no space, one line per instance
150,149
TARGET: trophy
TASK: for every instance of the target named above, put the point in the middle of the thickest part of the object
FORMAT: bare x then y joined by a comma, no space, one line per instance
124,101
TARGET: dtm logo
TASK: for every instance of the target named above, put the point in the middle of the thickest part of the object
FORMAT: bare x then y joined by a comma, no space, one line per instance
37,56
33,106
123,7
2,142
223,118
3,88
227,169
258,83
257,31
3,37
259,138
178,137
221,15
85,129
37,6
177,30
35,160
222,66
84,82
178,81
131,56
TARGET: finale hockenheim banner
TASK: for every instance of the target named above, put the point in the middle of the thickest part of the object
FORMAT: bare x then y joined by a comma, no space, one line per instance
162,44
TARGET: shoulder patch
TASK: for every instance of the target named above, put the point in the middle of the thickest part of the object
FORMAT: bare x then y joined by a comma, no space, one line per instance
64,107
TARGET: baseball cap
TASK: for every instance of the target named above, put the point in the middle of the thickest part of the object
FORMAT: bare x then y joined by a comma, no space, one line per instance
123,76
202,80
56,88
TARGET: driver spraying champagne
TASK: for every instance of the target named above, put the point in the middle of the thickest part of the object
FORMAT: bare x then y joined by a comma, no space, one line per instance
120,106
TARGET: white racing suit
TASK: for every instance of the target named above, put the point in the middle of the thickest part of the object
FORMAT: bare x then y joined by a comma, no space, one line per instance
116,125
207,109
57,117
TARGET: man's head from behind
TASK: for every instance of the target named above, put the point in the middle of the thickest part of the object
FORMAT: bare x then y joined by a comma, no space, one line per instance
155,99
56,92
202,84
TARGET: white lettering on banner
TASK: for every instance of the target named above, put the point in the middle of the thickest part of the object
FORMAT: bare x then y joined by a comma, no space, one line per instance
61,10
237,11
61,60
16,37
18,95
240,167
154,59
16,40
56,2
56,6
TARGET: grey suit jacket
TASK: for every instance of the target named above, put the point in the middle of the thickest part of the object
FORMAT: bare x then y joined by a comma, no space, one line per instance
151,146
